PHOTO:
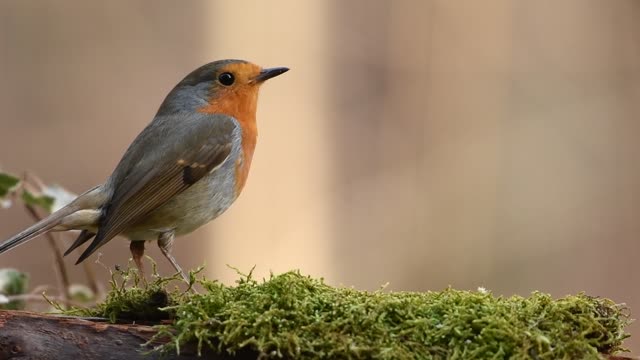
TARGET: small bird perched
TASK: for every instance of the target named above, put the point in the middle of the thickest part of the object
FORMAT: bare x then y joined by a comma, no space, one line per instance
182,171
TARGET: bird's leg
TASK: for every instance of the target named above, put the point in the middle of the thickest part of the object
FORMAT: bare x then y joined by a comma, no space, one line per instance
137,252
165,243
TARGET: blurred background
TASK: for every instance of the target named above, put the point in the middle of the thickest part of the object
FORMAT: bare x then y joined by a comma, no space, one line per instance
420,143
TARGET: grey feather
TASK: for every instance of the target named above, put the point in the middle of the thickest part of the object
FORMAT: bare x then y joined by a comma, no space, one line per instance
144,181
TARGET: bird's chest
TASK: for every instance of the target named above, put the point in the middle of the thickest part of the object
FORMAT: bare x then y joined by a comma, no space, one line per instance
213,194
208,198
242,164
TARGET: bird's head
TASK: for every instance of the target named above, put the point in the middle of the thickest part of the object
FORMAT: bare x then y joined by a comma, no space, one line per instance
225,86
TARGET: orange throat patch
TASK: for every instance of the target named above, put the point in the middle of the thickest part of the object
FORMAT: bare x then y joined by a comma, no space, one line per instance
241,104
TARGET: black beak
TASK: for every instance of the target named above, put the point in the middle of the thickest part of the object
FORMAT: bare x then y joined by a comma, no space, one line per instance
267,74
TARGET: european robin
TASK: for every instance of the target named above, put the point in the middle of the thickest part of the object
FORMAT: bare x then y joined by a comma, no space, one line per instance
183,170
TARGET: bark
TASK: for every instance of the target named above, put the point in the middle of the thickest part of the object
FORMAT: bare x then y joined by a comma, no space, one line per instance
26,335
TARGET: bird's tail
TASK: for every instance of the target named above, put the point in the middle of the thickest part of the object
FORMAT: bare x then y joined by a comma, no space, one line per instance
91,199
36,229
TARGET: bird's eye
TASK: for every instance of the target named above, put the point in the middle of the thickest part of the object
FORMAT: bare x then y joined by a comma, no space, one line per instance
226,79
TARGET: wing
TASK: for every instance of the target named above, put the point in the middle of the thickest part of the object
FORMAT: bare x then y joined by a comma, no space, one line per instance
185,149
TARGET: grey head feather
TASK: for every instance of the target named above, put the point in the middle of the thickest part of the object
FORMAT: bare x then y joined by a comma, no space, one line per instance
193,91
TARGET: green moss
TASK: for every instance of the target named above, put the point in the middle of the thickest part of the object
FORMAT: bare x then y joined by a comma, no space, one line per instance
295,316
130,299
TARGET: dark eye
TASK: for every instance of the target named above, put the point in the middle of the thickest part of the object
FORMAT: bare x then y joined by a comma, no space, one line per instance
226,79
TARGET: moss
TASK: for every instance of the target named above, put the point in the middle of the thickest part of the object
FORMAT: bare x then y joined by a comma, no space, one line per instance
130,299
296,316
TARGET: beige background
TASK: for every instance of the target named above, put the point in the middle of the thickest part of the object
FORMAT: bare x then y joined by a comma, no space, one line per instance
421,143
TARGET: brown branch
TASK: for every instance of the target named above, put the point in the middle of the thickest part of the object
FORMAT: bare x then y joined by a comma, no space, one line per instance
60,267
37,185
30,180
91,279
28,335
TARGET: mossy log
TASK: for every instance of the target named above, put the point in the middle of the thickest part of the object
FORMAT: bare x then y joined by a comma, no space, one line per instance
292,316
28,335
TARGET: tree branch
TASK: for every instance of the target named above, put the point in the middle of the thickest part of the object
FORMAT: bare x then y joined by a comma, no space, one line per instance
60,267
28,335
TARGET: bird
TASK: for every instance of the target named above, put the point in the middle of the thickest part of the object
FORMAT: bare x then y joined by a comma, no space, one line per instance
185,168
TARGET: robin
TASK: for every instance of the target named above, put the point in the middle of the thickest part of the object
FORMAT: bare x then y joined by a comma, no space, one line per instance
183,170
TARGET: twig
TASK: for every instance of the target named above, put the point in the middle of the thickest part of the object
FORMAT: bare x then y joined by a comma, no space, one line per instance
39,289
91,279
39,297
57,257
61,269
33,181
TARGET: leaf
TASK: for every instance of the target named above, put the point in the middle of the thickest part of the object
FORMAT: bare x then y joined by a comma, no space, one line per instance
7,182
5,203
43,201
61,196
12,282
81,293
51,199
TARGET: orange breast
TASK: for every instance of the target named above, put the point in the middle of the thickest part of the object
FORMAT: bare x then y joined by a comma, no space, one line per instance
249,137
240,104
